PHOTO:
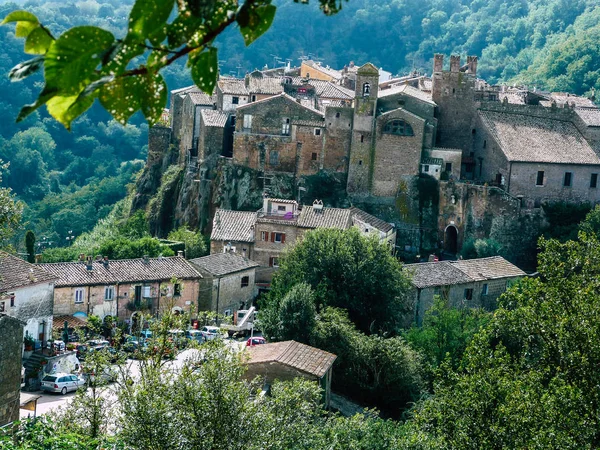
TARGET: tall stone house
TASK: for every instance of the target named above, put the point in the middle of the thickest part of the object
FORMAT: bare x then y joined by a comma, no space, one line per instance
27,294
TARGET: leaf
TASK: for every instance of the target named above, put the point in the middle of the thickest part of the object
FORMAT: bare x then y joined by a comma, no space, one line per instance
25,69
73,58
20,16
44,96
24,28
153,97
38,41
66,108
259,21
205,67
122,97
182,29
147,18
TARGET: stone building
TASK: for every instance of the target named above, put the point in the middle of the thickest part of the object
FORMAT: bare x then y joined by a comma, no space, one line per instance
233,230
11,349
473,283
287,360
27,293
119,288
228,282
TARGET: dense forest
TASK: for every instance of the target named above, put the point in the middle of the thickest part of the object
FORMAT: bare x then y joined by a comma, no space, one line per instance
70,180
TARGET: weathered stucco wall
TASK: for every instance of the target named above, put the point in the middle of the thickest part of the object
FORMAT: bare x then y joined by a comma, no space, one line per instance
11,347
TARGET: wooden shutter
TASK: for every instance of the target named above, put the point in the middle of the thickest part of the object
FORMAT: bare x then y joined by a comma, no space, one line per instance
270,261
272,237
283,238
267,236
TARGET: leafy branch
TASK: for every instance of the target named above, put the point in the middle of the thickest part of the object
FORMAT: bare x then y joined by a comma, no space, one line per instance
86,63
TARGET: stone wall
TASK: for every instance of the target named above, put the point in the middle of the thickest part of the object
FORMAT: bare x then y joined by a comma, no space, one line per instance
11,348
337,139
265,249
231,294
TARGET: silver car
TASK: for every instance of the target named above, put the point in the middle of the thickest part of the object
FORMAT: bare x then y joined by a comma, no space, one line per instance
62,382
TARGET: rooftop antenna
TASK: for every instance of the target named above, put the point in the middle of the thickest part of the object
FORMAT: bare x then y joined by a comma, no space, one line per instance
238,67
275,58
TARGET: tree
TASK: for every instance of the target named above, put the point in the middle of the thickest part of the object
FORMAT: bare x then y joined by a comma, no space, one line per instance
195,243
10,210
30,246
347,270
295,317
86,63
123,248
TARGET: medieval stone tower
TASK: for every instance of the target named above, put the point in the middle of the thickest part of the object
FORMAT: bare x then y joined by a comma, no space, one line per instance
454,93
360,168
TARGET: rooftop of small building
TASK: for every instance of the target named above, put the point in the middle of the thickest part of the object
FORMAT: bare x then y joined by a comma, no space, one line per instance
283,96
17,273
235,226
304,358
527,138
590,116
219,264
324,217
406,90
365,217
232,86
333,73
448,273
121,271
213,118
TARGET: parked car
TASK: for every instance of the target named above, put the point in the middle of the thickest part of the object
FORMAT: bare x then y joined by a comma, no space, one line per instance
195,335
108,375
210,333
62,382
256,340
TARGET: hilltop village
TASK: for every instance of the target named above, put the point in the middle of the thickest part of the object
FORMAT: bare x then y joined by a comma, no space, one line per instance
442,158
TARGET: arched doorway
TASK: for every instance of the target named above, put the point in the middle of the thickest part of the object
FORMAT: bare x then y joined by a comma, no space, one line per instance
451,239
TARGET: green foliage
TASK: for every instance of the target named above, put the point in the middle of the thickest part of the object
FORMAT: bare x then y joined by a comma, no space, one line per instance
195,243
591,223
349,271
30,246
481,248
446,332
10,210
123,248
135,226
563,219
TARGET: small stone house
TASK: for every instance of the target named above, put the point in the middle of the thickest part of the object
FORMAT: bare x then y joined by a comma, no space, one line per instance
474,283
27,293
288,360
11,346
120,288
234,230
227,283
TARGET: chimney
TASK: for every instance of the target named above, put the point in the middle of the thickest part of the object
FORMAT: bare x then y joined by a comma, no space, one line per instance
105,262
244,252
454,63
472,65
252,233
318,206
32,276
265,205
180,253
146,259
82,257
89,264
38,258
98,258
438,62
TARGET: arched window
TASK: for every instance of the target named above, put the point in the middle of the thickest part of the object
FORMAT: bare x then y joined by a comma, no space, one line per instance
399,127
366,90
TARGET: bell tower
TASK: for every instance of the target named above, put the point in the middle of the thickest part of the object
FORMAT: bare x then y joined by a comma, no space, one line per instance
362,149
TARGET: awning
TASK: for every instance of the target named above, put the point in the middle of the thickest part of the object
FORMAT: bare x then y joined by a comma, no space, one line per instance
58,323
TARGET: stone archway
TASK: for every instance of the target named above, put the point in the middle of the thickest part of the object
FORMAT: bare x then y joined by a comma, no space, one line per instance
451,240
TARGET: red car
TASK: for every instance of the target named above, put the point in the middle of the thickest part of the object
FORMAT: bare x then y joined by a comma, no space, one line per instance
251,342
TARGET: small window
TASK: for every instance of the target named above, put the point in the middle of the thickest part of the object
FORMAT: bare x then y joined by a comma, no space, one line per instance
177,289
281,208
79,295
245,281
2,306
235,100
484,289
273,261
285,126
448,167
594,180
253,98
484,143
398,127
278,237
109,293
313,157
366,90
227,313
273,157
362,138
425,167
317,132
12,301
337,115
360,162
247,121
473,131
540,178
469,294
264,235
568,180
146,292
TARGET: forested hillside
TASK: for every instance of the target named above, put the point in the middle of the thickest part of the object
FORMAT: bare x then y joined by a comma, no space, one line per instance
69,180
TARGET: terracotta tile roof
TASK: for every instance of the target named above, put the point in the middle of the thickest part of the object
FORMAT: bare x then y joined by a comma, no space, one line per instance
201,98
232,86
336,74
16,273
488,268
299,356
325,218
325,89
591,116
448,273
309,123
219,264
265,85
184,90
563,97
280,96
514,98
233,226
212,118
58,322
121,271
406,90
525,138
381,225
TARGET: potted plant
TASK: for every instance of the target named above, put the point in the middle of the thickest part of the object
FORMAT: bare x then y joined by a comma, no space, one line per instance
29,342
